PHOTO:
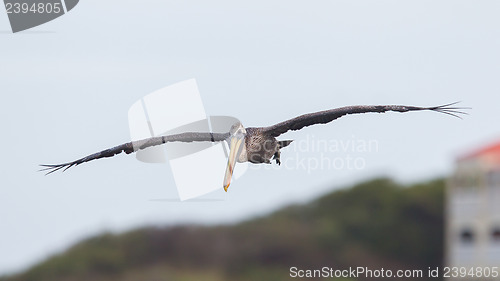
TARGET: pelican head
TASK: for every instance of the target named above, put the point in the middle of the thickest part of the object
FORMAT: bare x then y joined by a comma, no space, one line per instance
236,142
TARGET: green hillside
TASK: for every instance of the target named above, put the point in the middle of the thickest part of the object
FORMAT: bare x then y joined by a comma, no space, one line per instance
377,224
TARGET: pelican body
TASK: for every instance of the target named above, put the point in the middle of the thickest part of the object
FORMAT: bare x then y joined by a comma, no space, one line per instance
261,147
254,144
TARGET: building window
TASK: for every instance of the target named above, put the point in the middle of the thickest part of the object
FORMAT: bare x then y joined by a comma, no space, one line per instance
467,236
495,235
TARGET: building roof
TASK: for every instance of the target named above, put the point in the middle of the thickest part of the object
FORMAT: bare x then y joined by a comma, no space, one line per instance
489,153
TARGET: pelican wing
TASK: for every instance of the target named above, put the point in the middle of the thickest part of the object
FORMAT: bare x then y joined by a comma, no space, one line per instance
134,146
326,116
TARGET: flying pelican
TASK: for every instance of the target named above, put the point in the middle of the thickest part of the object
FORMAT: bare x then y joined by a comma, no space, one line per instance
253,144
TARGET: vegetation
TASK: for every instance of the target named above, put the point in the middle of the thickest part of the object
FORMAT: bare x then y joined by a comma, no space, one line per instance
376,224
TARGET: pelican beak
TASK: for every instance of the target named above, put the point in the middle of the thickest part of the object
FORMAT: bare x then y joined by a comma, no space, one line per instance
235,146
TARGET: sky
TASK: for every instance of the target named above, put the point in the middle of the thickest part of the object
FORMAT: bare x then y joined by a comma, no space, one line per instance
67,85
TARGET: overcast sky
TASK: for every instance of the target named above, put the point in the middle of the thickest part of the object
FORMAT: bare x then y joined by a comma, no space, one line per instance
66,88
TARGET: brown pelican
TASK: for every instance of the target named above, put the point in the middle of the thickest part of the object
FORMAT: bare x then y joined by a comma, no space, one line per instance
255,145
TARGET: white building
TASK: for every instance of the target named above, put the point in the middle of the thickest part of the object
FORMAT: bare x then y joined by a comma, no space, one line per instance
473,214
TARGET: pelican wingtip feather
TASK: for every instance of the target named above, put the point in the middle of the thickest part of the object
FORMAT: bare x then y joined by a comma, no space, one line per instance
450,109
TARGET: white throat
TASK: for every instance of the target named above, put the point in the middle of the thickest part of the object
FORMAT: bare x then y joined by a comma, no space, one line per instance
243,157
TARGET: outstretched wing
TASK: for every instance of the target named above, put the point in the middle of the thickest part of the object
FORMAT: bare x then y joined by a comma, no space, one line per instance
323,117
134,146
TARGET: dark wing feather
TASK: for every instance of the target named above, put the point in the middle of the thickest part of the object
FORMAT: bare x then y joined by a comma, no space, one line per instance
134,146
323,117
